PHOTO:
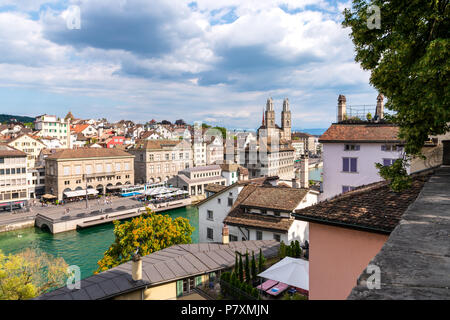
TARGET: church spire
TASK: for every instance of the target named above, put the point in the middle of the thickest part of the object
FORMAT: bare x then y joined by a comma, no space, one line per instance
263,118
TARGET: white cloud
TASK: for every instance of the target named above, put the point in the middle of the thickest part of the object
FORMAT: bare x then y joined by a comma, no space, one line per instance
26,5
220,72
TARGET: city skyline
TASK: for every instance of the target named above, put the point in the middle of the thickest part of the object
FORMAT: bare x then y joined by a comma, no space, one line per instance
212,61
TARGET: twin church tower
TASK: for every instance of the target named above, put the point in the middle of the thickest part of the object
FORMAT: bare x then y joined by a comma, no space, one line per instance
268,121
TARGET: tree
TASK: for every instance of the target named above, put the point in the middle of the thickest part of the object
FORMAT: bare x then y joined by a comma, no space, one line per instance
223,131
396,174
282,250
261,261
149,232
247,268
30,273
288,251
408,59
180,122
254,272
298,250
236,264
241,271
292,249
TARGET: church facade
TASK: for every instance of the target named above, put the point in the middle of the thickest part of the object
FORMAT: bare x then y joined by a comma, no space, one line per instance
272,154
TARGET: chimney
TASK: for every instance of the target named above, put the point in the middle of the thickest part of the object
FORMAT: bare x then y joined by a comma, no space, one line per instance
304,173
295,183
136,269
342,108
379,112
225,234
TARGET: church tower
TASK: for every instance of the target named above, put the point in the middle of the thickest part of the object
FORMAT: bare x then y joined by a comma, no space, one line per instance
270,114
286,120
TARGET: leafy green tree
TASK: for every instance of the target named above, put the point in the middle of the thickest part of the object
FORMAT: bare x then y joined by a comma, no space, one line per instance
396,174
29,274
149,232
236,264
223,131
408,59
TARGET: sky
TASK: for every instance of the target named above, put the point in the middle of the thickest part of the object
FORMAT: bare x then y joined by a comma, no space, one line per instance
215,61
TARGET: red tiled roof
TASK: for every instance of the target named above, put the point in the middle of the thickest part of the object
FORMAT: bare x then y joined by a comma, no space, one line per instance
361,133
375,207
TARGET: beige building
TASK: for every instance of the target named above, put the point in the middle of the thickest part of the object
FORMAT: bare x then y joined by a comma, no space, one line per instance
159,160
13,178
52,126
31,146
96,168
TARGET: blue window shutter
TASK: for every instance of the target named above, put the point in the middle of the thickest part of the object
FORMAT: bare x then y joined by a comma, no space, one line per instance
386,162
345,165
353,165
344,189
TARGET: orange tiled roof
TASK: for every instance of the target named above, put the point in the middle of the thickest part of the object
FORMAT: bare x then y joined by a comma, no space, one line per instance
366,132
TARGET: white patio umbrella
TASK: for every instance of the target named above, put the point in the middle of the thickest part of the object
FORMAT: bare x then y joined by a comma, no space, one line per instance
294,272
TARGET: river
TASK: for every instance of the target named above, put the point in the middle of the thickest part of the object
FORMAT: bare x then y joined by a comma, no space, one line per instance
82,247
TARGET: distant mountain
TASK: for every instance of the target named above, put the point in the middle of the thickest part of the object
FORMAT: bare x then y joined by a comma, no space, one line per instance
7,117
314,131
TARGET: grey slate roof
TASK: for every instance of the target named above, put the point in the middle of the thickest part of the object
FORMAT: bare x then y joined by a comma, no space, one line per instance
167,265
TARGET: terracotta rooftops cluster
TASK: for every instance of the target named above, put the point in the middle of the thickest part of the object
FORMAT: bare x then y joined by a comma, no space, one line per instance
89,153
158,144
365,132
374,207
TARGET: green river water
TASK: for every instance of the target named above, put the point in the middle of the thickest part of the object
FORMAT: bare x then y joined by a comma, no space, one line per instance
81,247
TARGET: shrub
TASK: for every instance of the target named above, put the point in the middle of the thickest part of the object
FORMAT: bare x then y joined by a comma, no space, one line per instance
282,251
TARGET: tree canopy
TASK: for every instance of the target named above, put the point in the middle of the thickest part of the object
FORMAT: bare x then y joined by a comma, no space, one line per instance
407,54
149,232
30,273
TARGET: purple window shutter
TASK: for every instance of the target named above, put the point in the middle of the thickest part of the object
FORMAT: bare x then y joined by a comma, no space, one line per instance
386,162
353,165
344,189
345,165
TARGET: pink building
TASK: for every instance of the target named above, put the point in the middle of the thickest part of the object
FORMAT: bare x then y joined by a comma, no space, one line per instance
115,141
347,231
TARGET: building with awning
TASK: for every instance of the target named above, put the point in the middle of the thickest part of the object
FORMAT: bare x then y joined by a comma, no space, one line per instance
80,193
87,168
